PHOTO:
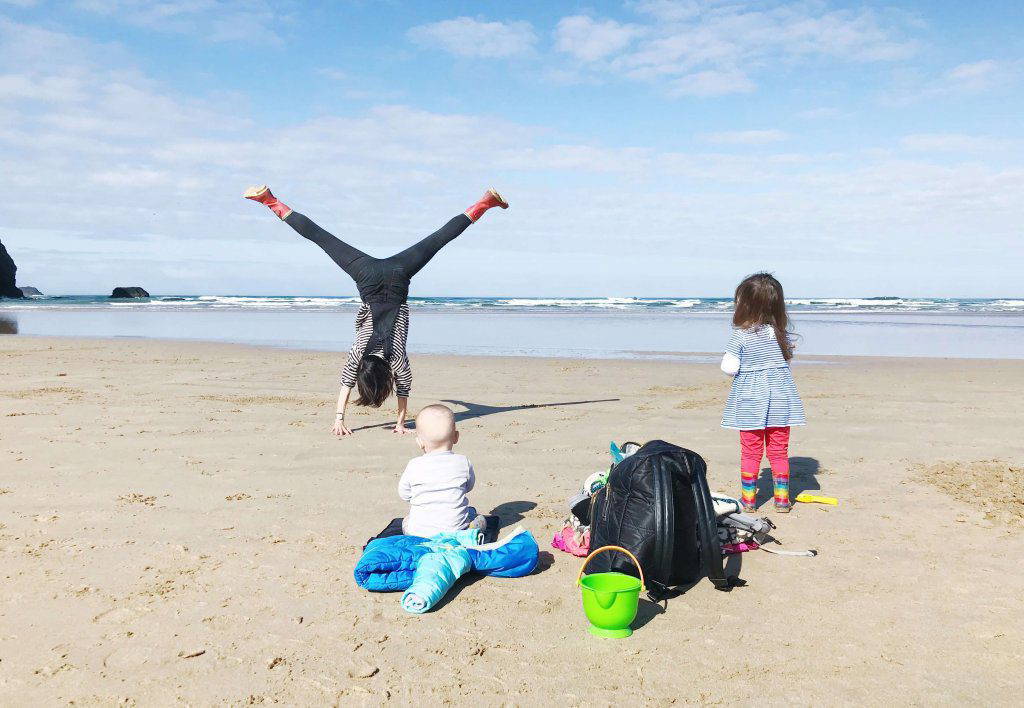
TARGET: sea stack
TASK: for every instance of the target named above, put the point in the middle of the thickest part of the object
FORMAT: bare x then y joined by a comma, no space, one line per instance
7,272
29,291
128,292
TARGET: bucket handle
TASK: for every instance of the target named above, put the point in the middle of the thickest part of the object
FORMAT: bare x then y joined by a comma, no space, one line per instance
643,585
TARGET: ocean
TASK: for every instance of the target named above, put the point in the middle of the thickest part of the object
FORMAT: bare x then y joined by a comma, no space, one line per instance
684,328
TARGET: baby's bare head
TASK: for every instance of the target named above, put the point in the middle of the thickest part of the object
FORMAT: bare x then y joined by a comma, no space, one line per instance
435,428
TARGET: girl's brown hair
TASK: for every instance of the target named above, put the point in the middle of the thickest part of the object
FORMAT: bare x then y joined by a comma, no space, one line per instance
759,302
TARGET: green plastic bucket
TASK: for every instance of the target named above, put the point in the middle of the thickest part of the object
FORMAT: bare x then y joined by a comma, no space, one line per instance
610,600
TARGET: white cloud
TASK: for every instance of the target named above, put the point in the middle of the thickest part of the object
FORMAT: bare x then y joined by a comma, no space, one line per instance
820,113
356,87
673,10
955,142
711,83
745,137
47,88
986,75
982,75
973,71
332,73
212,20
464,36
590,39
707,48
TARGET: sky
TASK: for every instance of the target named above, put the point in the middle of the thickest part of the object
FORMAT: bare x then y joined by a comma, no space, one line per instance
647,147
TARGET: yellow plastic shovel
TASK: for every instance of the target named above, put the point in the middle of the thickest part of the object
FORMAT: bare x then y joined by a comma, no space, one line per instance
807,498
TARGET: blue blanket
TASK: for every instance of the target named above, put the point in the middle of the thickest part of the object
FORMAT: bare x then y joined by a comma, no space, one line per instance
427,568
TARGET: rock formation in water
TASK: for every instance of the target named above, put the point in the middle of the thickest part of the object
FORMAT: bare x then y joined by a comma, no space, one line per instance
7,271
129,292
28,290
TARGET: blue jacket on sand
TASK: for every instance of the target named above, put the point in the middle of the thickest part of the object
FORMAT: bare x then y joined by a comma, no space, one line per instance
427,568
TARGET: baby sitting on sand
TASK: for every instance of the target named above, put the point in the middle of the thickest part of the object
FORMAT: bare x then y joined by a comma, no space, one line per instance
436,483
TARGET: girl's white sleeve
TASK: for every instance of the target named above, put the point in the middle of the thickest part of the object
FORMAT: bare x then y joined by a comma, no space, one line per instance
730,364
733,351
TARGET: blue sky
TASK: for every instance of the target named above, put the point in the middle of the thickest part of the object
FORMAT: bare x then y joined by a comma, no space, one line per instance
648,147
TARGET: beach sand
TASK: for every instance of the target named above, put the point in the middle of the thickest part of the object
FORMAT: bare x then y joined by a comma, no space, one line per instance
177,525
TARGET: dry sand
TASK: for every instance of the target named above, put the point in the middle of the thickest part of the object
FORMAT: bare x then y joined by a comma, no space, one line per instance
177,525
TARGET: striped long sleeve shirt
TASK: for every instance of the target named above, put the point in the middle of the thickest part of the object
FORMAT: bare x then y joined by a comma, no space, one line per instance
399,361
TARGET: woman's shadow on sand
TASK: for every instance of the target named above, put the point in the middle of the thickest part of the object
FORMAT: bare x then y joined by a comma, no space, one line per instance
479,410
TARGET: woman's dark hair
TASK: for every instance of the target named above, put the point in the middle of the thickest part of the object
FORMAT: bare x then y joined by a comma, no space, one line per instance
758,302
374,381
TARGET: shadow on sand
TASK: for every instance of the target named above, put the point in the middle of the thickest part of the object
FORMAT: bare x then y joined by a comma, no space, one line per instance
803,477
649,609
479,410
512,512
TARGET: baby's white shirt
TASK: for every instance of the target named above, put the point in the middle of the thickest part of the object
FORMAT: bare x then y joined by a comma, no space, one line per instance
435,485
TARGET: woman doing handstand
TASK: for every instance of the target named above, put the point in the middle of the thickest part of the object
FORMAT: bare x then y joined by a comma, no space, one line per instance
377,363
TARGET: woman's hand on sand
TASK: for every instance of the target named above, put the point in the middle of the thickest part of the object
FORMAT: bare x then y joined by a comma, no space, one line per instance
340,429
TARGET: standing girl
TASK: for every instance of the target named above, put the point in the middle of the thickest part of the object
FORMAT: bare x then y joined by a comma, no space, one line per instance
377,364
763,402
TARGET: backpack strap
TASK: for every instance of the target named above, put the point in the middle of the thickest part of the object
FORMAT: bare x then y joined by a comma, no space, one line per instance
707,531
656,592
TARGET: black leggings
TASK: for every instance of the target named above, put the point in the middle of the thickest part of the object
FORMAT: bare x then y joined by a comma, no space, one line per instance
370,272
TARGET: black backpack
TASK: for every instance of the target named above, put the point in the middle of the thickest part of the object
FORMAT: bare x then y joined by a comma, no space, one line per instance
657,506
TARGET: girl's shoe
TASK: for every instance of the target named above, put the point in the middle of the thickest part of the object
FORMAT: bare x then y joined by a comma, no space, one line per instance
783,508
263,195
748,508
490,199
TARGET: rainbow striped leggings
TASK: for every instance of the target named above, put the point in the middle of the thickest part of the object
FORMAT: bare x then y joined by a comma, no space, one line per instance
753,444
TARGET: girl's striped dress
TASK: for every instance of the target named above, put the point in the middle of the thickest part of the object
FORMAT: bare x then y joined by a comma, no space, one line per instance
763,392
